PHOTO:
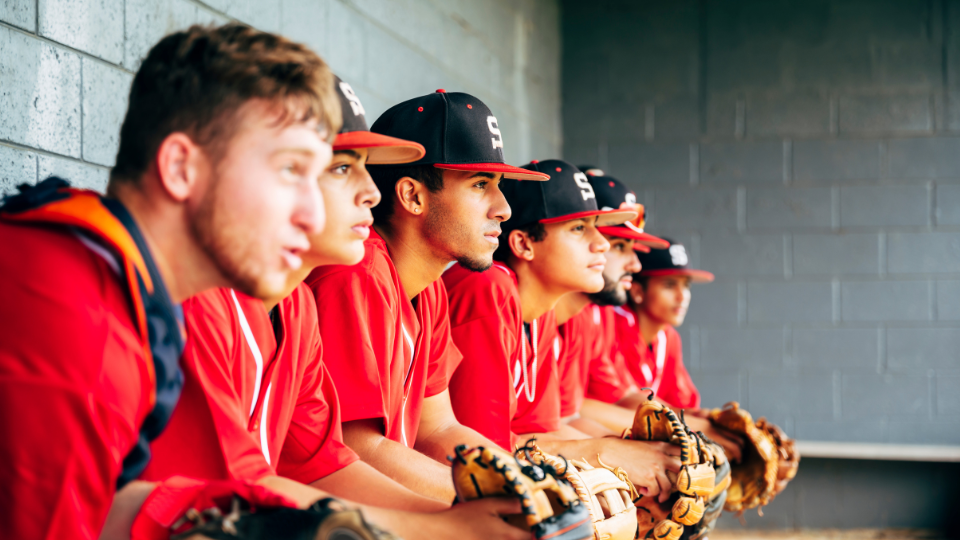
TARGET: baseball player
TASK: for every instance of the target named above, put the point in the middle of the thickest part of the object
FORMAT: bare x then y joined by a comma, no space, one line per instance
384,322
585,355
258,400
507,384
189,208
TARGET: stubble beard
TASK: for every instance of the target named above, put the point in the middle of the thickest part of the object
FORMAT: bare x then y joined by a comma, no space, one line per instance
454,235
610,295
231,254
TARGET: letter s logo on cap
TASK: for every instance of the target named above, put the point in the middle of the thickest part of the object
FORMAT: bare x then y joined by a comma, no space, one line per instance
353,99
495,129
678,255
630,199
586,190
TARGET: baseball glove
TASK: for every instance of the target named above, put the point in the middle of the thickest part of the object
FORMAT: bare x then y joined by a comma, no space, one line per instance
607,492
326,519
754,481
789,460
695,484
551,507
186,508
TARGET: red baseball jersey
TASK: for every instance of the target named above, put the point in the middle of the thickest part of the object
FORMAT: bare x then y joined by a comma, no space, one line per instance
607,378
75,383
385,353
257,400
507,382
657,365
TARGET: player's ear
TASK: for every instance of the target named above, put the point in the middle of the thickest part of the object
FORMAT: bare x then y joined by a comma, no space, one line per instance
636,293
180,165
521,245
410,196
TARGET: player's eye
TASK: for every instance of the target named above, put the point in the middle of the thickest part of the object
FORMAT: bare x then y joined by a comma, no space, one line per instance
341,169
482,184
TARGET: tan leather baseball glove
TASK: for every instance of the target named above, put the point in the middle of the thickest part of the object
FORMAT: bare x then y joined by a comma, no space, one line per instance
551,507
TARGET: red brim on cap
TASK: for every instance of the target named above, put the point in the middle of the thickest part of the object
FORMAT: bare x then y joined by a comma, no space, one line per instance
382,150
641,248
698,276
605,218
639,238
509,171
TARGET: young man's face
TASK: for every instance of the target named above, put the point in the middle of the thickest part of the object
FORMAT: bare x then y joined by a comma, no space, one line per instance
348,195
665,298
571,256
463,220
622,263
261,202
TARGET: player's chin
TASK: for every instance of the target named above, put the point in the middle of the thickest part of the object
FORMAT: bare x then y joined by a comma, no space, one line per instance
592,284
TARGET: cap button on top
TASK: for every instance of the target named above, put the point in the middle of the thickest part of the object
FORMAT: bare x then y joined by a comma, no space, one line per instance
441,91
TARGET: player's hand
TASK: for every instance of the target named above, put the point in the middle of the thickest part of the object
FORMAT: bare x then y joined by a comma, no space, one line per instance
479,519
731,443
646,464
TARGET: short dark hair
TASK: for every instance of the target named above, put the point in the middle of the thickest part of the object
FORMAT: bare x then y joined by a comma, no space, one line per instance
386,176
195,81
536,231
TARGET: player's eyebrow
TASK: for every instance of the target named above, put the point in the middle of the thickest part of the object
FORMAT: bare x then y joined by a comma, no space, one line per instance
489,175
295,150
347,152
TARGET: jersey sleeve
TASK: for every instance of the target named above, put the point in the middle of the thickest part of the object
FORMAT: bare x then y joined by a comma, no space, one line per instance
72,375
314,447
676,387
357,326
445,356
217,404
485,330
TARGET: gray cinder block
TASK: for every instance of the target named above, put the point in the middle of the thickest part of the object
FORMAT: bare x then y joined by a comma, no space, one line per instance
806,395
922,348
747,162
912,253
685,209
742,255
40,99
792,208
924,157
948,300
649,164
866,394
836,347
885,300
872,430
886,114
948,397
105,93
948,203
92,26
836,160
717,387
792,301
148,21
16,167
722,347
714,302
788,114
905,431
884,205
20,13
78,174
836,254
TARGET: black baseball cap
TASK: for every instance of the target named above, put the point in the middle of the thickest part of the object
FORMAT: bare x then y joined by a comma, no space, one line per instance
612,194
457,131
355,133
568,195
672,261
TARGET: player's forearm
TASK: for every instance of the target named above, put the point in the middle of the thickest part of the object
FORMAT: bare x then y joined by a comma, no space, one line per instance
616,418
591,427
632,400
126,504
361,483
410,468
440,443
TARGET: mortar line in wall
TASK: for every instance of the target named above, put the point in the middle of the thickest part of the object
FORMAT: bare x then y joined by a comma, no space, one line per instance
39,152
932,204
741,209
787,162
882,253
787,256
36,18
67,48
835,208
836,301
694,164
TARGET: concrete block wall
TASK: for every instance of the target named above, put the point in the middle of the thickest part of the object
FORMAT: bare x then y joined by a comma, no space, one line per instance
66,66
807,153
